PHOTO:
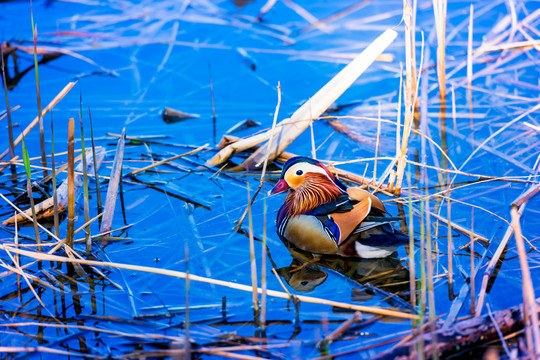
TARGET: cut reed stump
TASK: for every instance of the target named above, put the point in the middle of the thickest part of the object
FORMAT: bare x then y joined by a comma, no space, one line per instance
45,209
462,336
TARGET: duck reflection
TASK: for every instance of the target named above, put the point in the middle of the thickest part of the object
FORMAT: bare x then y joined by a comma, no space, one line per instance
384,276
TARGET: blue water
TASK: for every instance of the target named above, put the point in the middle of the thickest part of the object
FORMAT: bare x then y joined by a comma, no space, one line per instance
143,56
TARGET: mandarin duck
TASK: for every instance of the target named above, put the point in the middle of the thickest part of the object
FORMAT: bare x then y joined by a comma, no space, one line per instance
321,215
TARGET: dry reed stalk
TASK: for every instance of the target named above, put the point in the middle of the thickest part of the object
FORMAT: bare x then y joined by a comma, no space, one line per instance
459,227
12,162
38,96
25,277
454,115
518,45
412,262
213,104
430,287
229,355
112,191
71,182
96,175
11,110
87,223
306,15
313,147
261,182
392,179
44,350
470,64
408,97
174,339
182,275
439,9
8,113
34,122
328,339
377,142
414,12
449,238
26,161
168,160
263,270
340,14
265,8
290,128
87,234
278,278
17,270
187,320
520,203
251,347
17,261
252,261
56,221
416,132
506,125
33,210
265,208
423,284
473,273
529,300
23,214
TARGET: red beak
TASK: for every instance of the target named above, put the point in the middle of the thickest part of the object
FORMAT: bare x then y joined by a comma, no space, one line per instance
280,187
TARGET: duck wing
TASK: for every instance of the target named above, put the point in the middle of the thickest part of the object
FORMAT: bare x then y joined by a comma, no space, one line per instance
349,221
359,195
341,204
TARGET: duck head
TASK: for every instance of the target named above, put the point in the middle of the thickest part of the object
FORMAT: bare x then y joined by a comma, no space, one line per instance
309,184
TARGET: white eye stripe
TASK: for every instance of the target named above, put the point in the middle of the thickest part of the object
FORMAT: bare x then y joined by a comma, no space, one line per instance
307,168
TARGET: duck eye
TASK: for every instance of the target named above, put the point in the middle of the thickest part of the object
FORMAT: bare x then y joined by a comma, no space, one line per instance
299,172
